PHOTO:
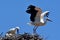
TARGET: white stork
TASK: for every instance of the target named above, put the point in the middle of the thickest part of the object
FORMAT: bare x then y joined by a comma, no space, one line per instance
37,17
12,32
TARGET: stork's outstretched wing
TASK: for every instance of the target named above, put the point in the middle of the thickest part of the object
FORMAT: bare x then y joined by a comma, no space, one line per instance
35,16
38,14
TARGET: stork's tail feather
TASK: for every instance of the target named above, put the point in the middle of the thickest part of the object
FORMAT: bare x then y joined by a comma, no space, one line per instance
29,23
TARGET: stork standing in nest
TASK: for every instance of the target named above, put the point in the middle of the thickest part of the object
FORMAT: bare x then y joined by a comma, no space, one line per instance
12,32
37,17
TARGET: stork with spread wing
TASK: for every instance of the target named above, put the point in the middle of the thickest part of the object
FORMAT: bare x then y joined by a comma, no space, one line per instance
37,17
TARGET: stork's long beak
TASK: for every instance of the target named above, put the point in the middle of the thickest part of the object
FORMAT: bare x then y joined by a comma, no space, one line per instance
49,20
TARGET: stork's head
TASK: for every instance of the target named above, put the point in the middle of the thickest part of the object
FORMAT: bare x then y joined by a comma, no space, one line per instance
17,28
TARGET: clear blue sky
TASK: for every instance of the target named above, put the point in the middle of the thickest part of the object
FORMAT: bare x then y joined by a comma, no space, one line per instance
12,14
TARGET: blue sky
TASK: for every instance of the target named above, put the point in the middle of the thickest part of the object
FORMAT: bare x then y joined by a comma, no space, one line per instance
12,14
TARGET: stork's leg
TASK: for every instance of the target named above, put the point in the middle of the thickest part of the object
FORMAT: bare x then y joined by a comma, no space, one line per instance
34,29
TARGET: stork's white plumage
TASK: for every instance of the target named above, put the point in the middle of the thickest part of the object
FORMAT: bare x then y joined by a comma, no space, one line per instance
14,28
11,29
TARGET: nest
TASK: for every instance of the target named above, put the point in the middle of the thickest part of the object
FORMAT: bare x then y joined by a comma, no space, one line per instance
25,36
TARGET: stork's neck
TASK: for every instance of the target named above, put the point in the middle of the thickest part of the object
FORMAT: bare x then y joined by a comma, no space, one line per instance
42,20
